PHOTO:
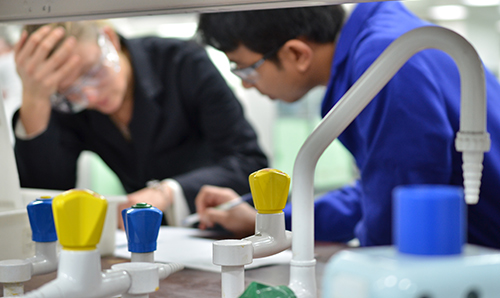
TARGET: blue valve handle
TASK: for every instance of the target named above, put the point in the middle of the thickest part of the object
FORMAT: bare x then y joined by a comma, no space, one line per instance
429,219
42,220
142,224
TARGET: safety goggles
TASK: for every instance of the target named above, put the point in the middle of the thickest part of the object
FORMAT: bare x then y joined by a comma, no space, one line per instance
74,99
249,74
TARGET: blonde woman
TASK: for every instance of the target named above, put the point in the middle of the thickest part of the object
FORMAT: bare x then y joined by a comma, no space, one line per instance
156,110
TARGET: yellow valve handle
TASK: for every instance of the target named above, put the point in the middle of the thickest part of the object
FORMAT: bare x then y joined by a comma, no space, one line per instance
79,218
269,190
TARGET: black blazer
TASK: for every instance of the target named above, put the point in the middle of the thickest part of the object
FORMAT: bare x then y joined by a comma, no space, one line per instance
186,125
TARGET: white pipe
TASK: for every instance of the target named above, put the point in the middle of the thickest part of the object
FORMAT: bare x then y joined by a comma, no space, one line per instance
472,124
148,257
232,281
270,237
144,278
79,275
164,270
45,259
113,283
13,289
14,272
135,296
232,255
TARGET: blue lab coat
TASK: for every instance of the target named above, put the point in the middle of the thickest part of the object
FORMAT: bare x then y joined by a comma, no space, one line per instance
405,135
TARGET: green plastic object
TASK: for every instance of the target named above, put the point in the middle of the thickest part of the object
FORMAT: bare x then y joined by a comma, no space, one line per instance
258,290
141,206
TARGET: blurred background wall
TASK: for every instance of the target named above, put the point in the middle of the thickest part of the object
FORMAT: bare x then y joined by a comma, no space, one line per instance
282,128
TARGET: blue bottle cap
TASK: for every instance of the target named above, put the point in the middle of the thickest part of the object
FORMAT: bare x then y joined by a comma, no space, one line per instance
429,219
142,224
42,220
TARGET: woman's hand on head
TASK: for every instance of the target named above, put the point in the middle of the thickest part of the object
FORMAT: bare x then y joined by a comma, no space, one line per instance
42,73
41,66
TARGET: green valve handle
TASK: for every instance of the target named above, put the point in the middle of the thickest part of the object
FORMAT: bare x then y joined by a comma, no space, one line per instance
258,290
141,206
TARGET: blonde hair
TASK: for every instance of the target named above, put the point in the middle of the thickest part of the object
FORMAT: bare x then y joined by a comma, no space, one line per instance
82,30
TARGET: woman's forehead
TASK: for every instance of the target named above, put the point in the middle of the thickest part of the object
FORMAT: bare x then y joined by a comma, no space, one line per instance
89,52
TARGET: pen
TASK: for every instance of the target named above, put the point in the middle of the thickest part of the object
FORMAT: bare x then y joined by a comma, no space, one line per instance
194,218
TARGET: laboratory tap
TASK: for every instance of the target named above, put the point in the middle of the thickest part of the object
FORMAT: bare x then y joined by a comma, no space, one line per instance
79,218
429,258
142,224
14,272
269,189
472,139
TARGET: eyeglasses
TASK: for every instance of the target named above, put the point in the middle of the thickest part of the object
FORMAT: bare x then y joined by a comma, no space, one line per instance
74,99
249,74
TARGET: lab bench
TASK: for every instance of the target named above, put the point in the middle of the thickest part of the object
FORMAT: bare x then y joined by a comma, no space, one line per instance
189,283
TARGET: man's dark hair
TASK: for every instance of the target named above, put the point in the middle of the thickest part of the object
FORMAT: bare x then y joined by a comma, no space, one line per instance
263,31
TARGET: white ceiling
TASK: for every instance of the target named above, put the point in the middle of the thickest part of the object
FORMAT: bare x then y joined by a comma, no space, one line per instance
422,7
143,25
479,27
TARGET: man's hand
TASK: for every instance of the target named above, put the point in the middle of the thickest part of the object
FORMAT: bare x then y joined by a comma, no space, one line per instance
239,220
160,199
43,73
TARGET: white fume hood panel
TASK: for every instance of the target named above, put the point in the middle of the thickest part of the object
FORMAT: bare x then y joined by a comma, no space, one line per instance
44,11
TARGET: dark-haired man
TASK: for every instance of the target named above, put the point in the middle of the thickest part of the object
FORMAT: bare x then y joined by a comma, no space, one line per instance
404,136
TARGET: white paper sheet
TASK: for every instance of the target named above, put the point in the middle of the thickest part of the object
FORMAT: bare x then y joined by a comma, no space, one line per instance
188,247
